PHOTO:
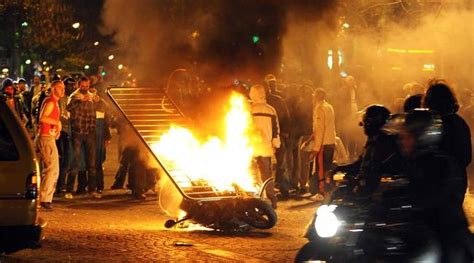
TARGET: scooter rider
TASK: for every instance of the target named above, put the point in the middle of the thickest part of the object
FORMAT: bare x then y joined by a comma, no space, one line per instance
436,184
379,154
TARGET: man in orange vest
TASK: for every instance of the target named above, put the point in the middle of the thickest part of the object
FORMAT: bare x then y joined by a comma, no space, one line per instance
48,133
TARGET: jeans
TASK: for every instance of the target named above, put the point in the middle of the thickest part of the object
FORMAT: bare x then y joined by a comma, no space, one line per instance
303,170
282,167
88,141
64,145
100,152
126,159
264,165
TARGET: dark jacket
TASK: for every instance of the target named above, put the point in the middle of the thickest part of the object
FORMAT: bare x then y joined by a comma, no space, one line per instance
436,186
456,140
282,111
380,156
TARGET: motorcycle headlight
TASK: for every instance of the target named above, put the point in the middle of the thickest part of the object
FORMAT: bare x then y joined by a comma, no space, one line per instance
326,223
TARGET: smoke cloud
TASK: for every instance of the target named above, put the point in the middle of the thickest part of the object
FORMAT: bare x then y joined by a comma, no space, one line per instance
215,39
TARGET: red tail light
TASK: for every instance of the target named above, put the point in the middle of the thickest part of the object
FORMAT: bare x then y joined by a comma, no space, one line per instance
32,186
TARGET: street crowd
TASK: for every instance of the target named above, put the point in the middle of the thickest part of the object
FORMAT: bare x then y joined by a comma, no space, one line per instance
70,123
307,135
422,138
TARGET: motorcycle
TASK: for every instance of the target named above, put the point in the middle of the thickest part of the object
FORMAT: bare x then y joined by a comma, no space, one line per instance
239,212
379,227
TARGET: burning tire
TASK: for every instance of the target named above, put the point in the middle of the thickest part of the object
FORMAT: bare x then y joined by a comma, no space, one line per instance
258,213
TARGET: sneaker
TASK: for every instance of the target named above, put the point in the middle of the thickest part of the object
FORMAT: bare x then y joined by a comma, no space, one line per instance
100,191
317,197
95,195
68,196
46,205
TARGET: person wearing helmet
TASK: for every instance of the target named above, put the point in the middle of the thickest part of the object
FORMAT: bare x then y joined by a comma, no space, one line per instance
379,155
435,183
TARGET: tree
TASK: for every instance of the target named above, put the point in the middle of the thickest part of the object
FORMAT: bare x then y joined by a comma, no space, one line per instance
40,31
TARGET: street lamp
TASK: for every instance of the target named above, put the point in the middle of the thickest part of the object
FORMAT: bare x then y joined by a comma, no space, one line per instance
45,62
28,62
86,67
96,43
111,57
76,25
120,67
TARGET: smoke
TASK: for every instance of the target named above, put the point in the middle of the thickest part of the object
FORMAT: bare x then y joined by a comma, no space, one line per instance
216,39
378,48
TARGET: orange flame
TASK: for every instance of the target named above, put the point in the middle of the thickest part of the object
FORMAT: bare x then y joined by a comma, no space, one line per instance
221,162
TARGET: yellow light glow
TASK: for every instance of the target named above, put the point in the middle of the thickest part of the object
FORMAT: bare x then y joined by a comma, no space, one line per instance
395,50
221,162
396,68
421,51
411,51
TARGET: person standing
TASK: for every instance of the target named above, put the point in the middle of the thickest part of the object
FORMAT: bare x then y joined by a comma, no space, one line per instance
324,136
14,101
265,120
284,120
82,106
48,133
103,138
64,143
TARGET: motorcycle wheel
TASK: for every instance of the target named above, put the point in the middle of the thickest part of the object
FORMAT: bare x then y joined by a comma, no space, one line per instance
259,214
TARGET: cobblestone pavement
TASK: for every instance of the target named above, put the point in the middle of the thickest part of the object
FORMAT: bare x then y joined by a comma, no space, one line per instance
117,228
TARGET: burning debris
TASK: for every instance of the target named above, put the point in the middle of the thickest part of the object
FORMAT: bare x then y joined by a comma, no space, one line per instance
221,162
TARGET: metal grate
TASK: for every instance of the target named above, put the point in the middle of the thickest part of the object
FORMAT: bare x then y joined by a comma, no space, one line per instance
151,113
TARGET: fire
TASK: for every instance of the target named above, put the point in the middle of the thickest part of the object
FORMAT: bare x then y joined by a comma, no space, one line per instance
221,162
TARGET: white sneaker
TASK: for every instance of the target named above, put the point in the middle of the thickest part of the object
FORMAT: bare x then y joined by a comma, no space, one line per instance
317,197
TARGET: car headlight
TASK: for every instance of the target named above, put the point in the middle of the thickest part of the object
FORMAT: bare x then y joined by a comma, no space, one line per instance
326,223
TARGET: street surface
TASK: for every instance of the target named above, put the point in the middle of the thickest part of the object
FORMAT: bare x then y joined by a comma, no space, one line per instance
118,228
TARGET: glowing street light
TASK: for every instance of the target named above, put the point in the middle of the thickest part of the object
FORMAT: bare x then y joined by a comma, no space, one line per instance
120,67
5,70
45,62
76,25
86,67
24,24
111,57
345,25
96,43
28,62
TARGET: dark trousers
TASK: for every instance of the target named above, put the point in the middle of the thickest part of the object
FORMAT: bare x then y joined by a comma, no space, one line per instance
126,158
88,141
100,152
264,165
64,145
320,179
282,167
